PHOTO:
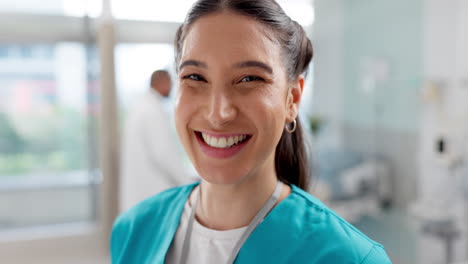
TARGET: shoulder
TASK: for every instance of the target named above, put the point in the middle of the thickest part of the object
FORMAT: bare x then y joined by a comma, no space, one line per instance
154,204
131,226
319,234
337,237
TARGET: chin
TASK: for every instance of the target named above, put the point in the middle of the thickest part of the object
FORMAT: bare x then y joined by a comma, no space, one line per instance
222,176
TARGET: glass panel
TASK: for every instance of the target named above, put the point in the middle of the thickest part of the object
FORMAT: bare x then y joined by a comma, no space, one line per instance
58,7
47,114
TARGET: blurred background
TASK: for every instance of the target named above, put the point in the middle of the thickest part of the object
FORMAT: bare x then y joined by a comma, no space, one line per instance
385,106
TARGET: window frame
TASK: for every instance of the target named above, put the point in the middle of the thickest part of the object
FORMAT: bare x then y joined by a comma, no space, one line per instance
67,242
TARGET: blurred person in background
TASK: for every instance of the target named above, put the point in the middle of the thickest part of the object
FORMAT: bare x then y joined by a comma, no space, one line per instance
151,161
241,66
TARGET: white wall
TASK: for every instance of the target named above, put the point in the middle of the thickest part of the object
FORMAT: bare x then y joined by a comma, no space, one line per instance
328,41
349,38
445,112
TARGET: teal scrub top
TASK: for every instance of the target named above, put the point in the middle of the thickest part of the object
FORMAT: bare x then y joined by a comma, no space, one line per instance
300,229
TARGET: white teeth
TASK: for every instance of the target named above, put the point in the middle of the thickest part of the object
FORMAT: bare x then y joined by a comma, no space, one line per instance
222,142
213,142
230,141
206,138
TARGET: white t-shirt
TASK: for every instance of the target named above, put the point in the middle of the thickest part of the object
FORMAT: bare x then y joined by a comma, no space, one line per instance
207,246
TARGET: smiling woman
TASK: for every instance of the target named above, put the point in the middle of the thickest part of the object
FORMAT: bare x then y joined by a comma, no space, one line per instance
230,84
241,66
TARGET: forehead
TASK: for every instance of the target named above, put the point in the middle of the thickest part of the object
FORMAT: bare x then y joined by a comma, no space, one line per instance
225,36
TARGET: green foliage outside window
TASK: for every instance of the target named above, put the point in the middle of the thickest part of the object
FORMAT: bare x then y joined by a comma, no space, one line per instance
46,143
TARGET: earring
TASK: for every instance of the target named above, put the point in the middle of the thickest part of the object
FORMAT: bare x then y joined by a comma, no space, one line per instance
293,128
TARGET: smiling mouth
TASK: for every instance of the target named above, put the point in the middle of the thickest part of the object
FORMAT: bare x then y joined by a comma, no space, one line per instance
223,142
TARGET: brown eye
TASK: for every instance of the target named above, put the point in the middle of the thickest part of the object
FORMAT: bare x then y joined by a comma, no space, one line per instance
251,79
194,77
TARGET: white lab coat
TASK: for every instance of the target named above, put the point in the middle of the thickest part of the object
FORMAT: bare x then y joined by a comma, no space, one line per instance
151,159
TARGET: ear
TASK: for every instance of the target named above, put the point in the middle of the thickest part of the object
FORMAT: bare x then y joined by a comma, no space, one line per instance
294,98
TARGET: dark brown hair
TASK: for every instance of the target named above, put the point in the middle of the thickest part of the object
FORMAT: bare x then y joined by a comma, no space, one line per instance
290,156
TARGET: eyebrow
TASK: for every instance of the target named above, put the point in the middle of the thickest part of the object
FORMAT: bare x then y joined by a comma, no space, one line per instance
251,63
193,63
244,64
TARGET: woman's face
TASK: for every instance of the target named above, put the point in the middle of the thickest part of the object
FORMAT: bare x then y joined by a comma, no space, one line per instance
234,98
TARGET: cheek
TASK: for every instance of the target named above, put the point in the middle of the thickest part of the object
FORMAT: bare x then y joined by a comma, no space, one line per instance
181,113
277,110
186,107
272,108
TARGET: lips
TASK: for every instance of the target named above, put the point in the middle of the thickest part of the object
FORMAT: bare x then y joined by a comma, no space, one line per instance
223,141
222,145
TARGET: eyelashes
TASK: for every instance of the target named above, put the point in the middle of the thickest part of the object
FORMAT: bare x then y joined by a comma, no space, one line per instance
194,77
251,78
245,79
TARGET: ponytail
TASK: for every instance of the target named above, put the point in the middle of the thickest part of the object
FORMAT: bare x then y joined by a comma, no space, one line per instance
291,158
291,162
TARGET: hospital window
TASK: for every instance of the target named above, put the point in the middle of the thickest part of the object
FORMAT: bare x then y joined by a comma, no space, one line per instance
48,111
53,7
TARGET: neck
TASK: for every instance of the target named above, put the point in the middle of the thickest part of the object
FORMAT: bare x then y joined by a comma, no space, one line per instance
224,207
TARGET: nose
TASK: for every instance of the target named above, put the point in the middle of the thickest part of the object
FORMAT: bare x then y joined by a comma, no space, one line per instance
221,109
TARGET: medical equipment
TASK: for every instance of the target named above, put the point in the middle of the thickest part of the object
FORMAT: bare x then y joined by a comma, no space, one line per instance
442,205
